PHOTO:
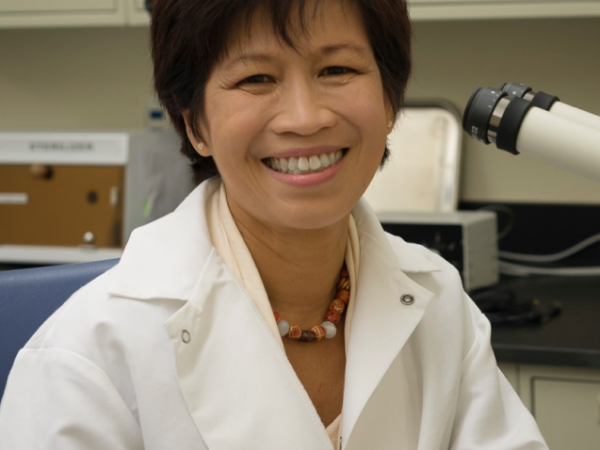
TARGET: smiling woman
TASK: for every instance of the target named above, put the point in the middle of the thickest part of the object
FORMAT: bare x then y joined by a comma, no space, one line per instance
271,310
213,27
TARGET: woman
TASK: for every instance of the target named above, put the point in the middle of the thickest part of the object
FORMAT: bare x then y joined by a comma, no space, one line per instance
270,310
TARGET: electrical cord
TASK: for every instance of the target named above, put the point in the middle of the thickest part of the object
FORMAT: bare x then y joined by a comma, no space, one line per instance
509,268
502,307
553,257
520,270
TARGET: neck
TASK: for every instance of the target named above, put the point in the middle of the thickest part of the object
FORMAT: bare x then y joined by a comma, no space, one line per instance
300,269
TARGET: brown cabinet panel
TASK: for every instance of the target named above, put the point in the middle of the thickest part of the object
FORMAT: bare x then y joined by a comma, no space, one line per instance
58,205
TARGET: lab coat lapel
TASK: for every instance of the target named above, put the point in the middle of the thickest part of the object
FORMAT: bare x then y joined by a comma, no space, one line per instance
237,382
239,387
389,306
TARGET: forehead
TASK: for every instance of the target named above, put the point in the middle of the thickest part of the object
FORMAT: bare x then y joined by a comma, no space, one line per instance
310,24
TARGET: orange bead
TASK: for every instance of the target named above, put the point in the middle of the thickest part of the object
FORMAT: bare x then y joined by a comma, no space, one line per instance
277,316
337,305
295,332
344,295
319,332
333,316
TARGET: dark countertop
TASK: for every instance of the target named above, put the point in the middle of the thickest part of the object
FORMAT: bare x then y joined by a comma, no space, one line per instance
570,339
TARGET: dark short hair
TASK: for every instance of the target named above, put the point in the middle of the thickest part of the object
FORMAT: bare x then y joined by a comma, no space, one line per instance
189,37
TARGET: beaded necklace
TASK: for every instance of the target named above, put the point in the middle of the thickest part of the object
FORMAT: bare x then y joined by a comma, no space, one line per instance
328,328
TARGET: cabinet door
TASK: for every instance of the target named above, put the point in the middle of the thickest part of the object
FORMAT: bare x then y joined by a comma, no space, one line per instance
61,205
501,9
56,13
136,12
565,402
568,413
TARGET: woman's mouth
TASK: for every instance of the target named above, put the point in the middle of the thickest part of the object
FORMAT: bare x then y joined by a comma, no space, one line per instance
305,164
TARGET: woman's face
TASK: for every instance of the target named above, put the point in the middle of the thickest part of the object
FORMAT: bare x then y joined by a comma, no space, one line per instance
297,134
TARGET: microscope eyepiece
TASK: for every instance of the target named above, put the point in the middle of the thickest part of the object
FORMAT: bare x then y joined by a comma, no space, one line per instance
515,89
479,121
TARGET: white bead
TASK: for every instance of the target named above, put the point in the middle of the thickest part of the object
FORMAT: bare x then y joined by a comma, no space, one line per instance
330,329
284,327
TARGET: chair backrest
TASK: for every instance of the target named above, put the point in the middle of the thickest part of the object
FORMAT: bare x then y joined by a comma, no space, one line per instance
29,296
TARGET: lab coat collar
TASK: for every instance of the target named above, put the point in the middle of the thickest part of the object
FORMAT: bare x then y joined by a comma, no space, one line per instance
228,362
164,258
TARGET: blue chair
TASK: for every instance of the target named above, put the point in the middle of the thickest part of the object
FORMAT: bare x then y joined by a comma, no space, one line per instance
29,296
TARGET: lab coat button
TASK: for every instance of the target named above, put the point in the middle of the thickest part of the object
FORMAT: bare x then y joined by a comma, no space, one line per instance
407,299
185,336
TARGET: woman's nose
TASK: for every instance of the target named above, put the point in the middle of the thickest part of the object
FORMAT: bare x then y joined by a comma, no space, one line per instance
303,110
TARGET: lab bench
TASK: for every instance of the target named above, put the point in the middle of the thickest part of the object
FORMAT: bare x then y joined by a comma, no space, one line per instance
555,366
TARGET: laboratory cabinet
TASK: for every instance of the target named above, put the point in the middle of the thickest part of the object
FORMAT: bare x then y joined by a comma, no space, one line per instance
78,13
68,13
136,12
501,9
510,371
565,402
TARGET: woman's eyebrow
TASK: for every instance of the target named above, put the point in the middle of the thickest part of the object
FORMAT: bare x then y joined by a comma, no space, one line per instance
327,50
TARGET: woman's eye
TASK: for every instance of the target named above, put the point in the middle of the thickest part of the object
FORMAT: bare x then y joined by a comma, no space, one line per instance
336,70
256,79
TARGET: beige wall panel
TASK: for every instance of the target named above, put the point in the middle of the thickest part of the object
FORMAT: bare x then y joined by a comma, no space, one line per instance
560,57
74,79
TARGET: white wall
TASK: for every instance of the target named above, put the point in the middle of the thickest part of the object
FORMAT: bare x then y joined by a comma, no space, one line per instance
78,79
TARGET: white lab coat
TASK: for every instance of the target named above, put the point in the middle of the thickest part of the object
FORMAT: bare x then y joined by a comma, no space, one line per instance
167,351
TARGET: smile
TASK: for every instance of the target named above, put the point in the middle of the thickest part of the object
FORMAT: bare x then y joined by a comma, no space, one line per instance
304,164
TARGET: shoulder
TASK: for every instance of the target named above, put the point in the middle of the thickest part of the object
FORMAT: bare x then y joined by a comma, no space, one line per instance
451,312
92,322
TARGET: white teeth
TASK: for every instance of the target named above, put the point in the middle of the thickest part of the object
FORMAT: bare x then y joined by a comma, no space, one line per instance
314,162
283,165
292,164
303,164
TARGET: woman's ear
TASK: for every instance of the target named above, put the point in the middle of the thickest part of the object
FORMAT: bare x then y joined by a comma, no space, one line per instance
390,117
391,121
199,145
